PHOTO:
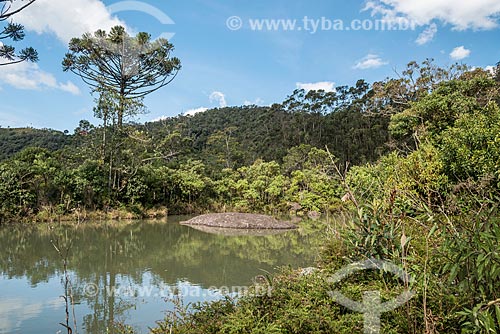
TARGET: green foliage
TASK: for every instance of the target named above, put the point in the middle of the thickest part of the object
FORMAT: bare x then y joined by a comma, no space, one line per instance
263,187
472,147
373,234
403,124
28,182
406,185
370,182
439,110
200,318
189,180
422,176
473,268
291,303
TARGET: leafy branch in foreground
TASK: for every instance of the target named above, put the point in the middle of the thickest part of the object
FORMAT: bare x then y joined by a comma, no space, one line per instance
14,32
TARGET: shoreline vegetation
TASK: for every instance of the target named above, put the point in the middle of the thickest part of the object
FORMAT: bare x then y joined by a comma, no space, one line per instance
410,163
47,215
223,220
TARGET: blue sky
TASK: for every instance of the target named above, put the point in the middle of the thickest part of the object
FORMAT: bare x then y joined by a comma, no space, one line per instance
223,65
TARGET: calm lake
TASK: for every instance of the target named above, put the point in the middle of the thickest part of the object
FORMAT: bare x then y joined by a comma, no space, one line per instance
125,271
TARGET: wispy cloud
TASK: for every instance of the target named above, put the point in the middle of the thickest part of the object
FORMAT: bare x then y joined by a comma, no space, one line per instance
490,69
461,15
427,35
218,97
258,101
30,77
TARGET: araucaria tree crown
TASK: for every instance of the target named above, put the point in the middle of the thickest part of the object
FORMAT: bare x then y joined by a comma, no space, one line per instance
129,67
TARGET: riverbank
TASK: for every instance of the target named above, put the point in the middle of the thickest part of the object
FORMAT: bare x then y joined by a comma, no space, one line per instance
254,220
50,215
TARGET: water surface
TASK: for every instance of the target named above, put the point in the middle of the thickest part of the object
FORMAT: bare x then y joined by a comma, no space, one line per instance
123,271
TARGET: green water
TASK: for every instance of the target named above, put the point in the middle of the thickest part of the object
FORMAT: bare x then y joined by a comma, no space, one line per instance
125,271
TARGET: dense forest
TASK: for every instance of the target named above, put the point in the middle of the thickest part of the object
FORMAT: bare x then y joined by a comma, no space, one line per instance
411,164
241,158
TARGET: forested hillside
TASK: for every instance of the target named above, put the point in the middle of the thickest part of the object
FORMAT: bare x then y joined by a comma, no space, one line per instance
271,159
15,140
237,136
245,158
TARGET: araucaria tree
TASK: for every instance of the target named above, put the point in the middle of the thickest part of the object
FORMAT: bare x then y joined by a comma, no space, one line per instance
15,32
125,67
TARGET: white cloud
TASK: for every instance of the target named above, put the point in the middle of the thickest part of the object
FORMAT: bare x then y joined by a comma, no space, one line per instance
190,112
195,111
460,53
327,86
490,69
14,311
157,119
67,18
370,61
427,35
258,101
219,98
464,14
30,77
214,97
70,88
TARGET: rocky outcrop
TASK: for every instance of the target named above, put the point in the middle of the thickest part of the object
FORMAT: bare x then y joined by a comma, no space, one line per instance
239,221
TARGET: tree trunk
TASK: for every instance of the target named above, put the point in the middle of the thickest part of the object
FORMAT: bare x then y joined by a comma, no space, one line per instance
121,108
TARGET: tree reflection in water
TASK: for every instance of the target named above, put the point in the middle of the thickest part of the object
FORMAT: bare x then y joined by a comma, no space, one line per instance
128,255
